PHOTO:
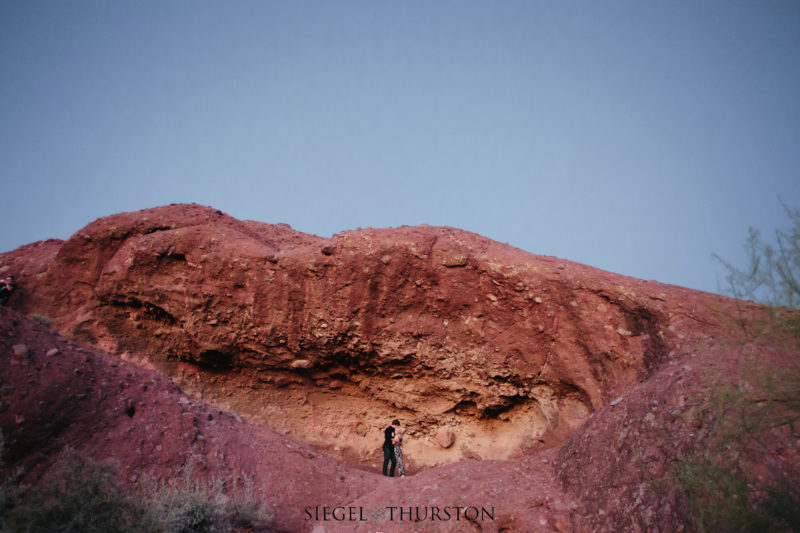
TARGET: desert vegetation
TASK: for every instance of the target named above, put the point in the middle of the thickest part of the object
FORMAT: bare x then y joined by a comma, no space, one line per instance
772,272
81,495
734,480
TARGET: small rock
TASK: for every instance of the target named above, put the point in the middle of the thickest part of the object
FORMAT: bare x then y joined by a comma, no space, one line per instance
455,261
558,523
283,380
445,437
624,332
20,350
386,259
537,300
202,463
53,351
234,415
301,363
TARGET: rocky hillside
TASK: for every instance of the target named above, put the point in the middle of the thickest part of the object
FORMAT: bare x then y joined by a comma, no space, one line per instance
566,388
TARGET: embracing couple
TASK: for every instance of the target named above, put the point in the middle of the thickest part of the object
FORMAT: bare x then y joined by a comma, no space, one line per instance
392,437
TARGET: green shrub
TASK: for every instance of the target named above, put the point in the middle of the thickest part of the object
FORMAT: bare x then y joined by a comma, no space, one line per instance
80,495
77,496
182,504
772,275
8,487
720,491
721,499
41,319
246,509
185,504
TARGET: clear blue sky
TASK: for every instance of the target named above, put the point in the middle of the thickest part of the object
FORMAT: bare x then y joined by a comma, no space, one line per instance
638,137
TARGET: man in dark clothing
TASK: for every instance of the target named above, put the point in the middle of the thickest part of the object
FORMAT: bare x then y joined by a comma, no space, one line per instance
6,288
388,447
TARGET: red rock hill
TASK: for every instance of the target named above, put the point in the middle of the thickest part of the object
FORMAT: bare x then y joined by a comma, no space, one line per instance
484,351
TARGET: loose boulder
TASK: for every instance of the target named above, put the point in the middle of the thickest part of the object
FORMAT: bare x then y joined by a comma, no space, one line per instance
445,438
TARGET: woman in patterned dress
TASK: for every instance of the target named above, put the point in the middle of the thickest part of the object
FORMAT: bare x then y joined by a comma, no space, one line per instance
398,452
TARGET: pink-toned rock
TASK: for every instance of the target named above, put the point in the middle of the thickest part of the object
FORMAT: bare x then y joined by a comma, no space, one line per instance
20,350
445,438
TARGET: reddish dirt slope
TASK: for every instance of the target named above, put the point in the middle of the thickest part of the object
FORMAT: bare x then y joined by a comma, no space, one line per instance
56,393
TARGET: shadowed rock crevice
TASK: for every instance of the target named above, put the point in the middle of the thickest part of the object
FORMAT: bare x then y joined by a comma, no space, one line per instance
214,360
155,229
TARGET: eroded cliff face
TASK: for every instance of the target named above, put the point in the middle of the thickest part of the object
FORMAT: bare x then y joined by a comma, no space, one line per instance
328,340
